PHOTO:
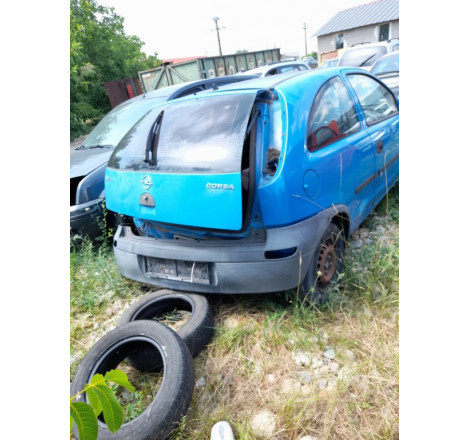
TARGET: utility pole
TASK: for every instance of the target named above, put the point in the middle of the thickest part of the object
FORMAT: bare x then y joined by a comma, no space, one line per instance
216,19
305,35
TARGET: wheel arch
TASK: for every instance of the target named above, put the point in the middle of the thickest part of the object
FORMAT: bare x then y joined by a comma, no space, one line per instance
343,222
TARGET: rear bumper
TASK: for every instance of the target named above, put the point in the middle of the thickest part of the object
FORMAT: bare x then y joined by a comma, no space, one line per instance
86,219
233,267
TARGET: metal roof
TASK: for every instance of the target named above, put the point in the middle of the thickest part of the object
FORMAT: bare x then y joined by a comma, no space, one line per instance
371,13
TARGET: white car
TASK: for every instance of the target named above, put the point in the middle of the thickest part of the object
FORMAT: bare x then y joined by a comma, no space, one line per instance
365,55
276,68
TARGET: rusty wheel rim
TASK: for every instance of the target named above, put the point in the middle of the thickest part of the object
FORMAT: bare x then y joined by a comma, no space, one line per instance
326,263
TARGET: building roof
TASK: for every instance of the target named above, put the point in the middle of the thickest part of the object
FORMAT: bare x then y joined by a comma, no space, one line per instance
181,60
371,13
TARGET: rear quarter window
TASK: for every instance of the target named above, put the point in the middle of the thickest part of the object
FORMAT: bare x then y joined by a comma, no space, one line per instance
332,116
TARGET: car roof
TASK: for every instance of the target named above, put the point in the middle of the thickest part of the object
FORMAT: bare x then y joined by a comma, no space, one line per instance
178,90
262,83
288,80
269,66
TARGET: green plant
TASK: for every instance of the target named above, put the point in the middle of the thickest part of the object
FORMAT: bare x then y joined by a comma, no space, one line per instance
102,399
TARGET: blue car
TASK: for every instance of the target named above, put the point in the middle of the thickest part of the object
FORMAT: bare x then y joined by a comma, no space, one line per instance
254,187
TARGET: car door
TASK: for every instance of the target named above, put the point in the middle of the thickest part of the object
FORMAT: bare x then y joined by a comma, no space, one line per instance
342,155
380,111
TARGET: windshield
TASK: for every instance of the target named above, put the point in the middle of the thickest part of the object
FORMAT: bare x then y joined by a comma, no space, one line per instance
386,65
198,135
362,56
112,128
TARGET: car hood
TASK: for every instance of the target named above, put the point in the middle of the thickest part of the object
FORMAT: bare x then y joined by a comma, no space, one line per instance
83,162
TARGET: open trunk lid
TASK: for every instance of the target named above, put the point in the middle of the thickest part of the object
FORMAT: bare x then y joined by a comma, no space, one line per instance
182,164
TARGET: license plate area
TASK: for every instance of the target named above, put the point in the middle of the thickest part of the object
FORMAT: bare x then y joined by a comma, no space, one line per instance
178,270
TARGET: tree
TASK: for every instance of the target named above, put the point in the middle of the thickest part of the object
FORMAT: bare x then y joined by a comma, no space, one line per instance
100,51
312,54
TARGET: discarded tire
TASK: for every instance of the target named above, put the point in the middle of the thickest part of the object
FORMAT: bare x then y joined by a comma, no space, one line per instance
174,395
196,332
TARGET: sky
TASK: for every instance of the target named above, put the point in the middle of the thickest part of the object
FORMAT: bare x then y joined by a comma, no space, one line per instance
185,28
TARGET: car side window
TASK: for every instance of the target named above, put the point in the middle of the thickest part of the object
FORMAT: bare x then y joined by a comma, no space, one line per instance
284,69
332,116
377,102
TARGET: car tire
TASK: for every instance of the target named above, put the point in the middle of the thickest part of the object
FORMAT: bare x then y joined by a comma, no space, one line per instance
196,332
174,395
327,263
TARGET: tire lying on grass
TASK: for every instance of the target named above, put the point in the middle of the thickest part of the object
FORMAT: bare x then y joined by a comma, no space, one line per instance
171,401
196,332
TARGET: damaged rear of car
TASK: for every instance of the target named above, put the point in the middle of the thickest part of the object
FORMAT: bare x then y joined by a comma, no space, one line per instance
225,191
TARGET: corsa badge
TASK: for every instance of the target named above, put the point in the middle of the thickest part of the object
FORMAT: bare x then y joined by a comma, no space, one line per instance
223,186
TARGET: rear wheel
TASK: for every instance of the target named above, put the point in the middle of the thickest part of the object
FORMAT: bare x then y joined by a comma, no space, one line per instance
327,263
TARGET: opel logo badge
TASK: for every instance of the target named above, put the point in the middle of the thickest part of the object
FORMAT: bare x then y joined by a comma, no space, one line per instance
146,182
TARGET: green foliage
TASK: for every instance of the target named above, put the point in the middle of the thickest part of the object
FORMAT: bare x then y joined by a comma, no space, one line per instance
84,417
95,278
312,54
100,51
102,399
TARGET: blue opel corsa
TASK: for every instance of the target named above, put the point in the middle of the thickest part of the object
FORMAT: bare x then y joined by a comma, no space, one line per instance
256,186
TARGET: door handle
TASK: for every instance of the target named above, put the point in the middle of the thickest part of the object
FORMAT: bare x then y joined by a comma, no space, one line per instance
379,146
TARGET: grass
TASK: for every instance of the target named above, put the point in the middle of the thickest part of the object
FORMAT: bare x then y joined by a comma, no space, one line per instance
252,363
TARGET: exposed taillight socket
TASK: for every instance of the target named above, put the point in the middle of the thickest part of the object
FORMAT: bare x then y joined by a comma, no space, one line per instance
279,253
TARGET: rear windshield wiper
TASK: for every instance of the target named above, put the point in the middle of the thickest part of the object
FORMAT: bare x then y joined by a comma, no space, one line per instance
152,141
367,59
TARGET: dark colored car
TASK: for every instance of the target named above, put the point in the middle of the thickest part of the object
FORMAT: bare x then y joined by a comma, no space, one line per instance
88,162
255,187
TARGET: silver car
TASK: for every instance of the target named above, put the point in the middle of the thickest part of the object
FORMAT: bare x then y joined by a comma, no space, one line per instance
387,69
277,68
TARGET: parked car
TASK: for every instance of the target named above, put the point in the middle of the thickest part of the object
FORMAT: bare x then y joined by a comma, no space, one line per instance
365,55
88,162
255,187
329,63
387,69
276,68
312,62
